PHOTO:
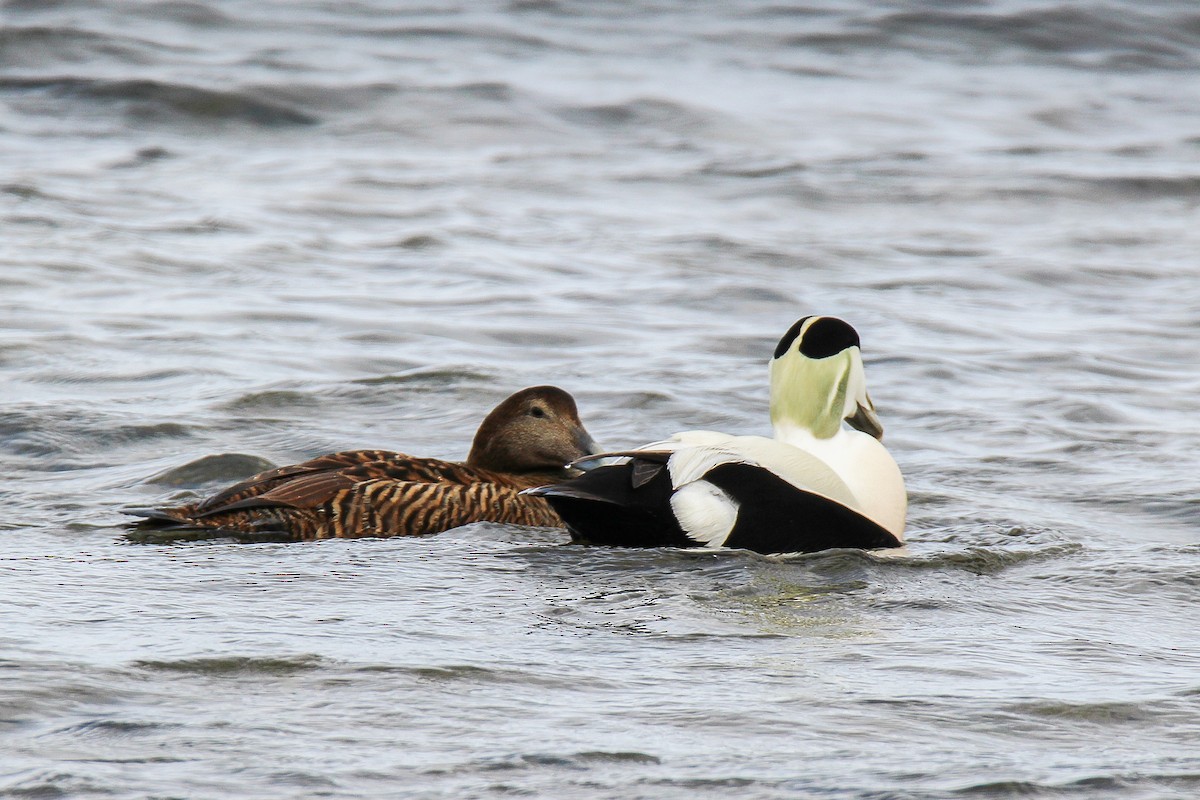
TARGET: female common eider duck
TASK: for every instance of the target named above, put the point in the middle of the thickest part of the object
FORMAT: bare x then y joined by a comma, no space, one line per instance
815,486
526,441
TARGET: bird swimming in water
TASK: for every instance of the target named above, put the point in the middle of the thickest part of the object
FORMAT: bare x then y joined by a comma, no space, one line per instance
825,480
526,441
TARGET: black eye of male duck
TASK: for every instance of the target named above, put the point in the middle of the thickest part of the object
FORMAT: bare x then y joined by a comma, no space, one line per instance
817,484
526,441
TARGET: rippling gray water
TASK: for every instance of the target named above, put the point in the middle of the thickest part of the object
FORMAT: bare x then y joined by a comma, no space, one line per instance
279,229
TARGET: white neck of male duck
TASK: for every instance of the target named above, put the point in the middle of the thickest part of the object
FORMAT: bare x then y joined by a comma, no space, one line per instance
821,406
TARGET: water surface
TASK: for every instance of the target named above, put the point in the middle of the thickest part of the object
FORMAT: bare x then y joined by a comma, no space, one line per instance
241,232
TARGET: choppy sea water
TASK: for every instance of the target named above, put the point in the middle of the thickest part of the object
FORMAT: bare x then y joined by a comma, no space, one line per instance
235,231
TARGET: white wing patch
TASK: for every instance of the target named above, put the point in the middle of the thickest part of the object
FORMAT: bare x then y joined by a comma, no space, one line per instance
697,452
691,439
705,512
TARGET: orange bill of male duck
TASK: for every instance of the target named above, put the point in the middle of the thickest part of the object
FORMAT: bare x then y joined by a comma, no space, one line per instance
824,481
527,441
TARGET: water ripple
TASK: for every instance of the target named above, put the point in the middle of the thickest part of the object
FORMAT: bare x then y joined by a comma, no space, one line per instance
279,229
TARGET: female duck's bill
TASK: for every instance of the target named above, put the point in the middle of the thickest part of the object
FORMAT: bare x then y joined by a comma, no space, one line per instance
528,440
823,481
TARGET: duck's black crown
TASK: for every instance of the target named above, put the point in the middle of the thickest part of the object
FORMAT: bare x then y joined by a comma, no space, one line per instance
825,337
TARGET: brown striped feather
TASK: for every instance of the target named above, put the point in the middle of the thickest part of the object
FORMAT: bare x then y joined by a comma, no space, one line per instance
356,493
265,481
396,495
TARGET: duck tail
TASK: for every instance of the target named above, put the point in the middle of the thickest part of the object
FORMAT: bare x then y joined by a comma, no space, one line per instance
170,525
157,517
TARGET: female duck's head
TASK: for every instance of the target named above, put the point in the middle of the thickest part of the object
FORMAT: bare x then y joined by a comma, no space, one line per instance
535,430
817,380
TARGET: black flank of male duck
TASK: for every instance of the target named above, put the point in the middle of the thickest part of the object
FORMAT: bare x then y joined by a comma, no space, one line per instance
526,441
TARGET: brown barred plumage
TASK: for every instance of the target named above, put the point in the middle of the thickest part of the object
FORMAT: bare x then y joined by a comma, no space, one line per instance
525,442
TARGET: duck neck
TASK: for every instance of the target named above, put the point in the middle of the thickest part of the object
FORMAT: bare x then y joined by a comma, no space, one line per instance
807,439
822,411
480,458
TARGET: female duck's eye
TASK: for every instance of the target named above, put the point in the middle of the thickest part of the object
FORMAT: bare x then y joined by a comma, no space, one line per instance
537,411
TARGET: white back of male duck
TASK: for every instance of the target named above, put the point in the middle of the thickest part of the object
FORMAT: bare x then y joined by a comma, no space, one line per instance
816,485
526,441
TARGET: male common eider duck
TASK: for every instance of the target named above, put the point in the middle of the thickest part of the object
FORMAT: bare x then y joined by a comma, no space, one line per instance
817,485
528,440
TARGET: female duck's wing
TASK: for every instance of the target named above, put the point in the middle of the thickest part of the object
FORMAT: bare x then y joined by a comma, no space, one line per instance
339,505
265,481
254,486
343,496
362,464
